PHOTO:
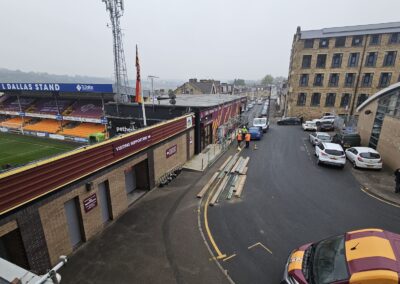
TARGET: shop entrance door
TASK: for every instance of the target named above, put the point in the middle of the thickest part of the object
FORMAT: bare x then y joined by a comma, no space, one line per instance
206,136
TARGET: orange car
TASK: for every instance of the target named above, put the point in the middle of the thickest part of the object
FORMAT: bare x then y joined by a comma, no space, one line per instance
369,256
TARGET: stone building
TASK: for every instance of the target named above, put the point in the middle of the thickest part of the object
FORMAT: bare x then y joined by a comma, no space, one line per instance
336,69
202,86
379,124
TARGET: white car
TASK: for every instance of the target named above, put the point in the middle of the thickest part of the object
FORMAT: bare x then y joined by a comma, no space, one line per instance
330,153
317,137
261,122
309,125
364,157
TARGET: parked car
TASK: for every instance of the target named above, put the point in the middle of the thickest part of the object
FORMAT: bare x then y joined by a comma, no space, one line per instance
289,121
362,256
256,133
309,125
318,137
347,140
261,122
330,153
325,125
364,157
250,106
264,113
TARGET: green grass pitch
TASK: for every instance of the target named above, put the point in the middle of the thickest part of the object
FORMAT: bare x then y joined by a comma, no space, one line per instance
21,149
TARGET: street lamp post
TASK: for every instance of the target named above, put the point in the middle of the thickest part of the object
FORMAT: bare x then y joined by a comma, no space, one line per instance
152,77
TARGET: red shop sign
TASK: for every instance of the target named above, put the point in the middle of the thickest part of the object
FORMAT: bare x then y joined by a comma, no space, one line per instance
90,202
171,151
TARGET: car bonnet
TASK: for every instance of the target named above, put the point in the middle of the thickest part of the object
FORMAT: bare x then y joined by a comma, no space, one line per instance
373,254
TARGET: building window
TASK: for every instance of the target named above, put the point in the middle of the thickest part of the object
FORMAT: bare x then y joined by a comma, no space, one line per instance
361,98
357,41
334,80
394,38
308,43
304,80
353,59
319,80
390,58
330,100
367,80
340,41
321,61
301,99
345,100
306,63
349,80
375,40
384,80
324,43
315,99
337,60
371,59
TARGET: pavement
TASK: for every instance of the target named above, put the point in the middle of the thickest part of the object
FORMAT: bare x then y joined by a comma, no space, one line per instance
156,241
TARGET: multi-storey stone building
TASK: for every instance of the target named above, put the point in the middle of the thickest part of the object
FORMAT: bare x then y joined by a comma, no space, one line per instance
336,69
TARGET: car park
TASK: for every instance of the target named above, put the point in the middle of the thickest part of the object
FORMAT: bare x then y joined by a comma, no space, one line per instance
261,122
256,133
347,139
309,126
330,154
318,137
361,256
364,157
289,121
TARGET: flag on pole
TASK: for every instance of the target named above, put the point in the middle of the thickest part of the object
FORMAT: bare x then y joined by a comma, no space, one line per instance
138,94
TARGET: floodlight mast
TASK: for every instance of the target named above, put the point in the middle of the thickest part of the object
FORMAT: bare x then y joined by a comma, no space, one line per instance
116,10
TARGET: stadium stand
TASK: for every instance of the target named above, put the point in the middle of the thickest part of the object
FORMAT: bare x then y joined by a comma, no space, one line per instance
15,122
49,106
45,125
83,130
11,103
91,109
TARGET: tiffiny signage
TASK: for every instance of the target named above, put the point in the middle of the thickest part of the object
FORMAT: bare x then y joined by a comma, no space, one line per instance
134,143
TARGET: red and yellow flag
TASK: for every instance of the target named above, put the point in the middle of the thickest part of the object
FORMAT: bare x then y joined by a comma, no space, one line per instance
138,95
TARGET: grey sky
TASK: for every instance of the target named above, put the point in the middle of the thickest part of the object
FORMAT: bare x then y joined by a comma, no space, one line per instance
178,39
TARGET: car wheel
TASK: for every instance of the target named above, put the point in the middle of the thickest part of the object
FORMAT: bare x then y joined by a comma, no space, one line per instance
341,167
355,165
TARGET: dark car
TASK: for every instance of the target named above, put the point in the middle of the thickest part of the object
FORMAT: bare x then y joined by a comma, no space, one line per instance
289,121
325,126
347,140
256,133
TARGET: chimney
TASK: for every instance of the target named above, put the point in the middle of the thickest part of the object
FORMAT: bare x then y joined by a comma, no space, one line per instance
194,80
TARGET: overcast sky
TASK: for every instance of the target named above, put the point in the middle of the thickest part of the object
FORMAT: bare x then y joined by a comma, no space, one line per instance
177,39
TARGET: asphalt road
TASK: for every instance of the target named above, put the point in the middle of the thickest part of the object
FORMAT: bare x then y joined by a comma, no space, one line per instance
288,201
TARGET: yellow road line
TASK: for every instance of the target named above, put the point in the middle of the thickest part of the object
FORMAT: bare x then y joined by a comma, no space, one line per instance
229,257
380,199
260,244
220,255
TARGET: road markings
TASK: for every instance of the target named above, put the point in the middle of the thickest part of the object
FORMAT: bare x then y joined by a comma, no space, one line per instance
378,198
229,257
261,245
220,255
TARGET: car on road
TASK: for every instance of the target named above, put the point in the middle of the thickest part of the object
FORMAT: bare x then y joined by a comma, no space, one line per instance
261,122
361,256
309,126
364,157
256,133
250,106
289,121
347,139
330,154
325,125
317,137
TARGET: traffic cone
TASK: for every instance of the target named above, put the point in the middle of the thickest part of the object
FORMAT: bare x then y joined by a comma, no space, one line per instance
255,146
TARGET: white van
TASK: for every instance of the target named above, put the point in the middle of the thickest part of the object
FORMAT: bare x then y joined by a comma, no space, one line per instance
261,122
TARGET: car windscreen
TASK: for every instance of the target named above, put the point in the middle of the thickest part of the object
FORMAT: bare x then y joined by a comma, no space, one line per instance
324,137
259,121
370,155
329,263
334,152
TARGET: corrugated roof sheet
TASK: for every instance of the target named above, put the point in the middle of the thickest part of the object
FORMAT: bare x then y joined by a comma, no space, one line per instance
203,100
352,30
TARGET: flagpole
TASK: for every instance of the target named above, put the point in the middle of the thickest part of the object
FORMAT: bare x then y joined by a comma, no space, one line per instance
144,111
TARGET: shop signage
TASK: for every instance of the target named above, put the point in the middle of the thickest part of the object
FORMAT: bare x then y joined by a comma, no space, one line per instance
90,202
171,151
189,122
135,143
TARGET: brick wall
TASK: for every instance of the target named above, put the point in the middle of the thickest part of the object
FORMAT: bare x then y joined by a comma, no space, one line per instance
366,122
8,227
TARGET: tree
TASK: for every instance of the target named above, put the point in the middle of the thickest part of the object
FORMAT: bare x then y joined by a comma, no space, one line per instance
239,82
267,80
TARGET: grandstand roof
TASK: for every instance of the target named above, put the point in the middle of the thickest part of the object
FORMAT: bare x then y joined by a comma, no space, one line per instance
202,100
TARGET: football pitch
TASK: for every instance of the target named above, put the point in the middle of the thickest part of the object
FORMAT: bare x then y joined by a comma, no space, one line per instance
21,149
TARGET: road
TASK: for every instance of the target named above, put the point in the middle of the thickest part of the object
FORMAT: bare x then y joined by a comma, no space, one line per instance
289,201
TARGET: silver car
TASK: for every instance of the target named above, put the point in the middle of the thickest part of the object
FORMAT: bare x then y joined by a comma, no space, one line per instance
317,137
